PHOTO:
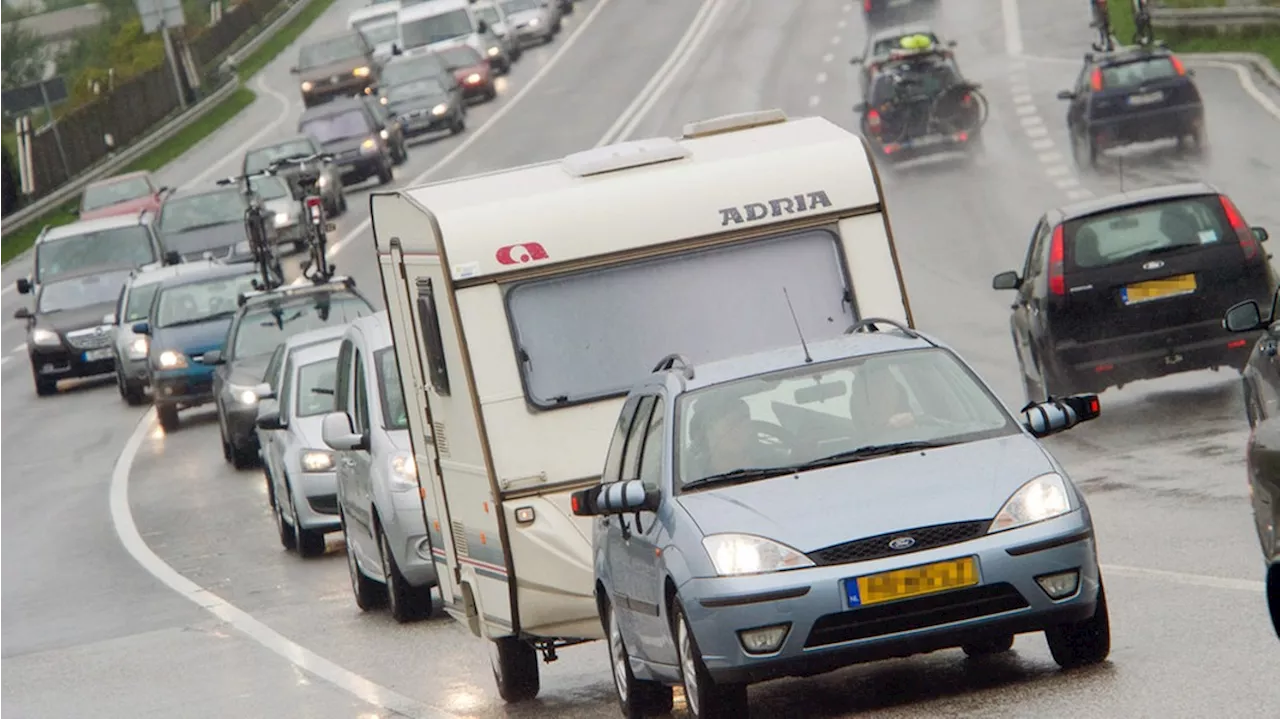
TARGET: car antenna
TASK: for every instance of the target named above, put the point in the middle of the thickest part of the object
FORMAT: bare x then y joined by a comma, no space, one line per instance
807,357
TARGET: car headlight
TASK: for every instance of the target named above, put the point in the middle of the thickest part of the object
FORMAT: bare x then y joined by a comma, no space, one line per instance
243,395
139,347
170,359
45,338
384,134
361,71
324,181
494,51
383,99
1044,497
440,109
306,86
735,554
317,460
283,219
535,22
404,472
369,146
473,78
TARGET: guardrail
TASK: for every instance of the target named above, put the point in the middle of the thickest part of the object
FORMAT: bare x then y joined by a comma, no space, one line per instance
23,217
1233,18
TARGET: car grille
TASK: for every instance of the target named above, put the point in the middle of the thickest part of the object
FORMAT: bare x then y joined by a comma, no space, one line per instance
863,550
909,614
90,339
324,503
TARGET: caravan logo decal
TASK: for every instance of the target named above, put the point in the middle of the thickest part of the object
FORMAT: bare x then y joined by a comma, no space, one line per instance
520,254
755,211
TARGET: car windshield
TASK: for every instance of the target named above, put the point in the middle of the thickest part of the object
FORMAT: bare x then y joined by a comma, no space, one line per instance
1122,235
411,69
80,292
427,87
435,28
271,188
138,307
340,126
461,56
202,301
129,246
1138,72
316,376
194,212
330,51
262,330
379,31
114,192
394,414
259,159
489,14
513,6
834,412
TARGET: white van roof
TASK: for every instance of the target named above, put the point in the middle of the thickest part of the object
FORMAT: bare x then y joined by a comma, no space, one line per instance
715,178
428,9
388,9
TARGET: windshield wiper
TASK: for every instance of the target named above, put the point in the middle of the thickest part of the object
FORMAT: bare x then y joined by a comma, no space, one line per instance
744,474
873,450
206,225
198,320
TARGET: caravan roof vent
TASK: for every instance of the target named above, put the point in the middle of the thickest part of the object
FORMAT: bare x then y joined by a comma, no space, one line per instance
733,123
622,156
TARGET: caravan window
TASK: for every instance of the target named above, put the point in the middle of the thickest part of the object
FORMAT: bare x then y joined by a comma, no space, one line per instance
430,327
594,334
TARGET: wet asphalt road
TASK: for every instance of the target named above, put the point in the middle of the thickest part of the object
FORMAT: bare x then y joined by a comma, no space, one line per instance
88,631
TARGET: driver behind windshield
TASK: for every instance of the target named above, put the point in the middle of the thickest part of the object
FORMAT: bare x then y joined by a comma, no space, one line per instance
880,403
724,437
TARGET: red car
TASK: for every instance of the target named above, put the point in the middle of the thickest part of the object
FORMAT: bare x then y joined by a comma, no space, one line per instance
125,194
471,70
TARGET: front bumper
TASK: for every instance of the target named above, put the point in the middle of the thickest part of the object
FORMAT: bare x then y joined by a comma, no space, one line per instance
241,422
135,371
421,122
1147,126
1110,362
319,494
825,635
359,168
185,388
407,534
67,363
479,90
539,34
325,93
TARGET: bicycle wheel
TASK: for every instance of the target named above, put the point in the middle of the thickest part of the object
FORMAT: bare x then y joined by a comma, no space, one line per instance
960,109
1143,33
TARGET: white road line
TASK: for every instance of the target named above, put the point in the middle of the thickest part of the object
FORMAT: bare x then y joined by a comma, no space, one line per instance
822,77
1080,194
828,57
814,100
1033,121
841,24
1067,183
1199,580
1042,144
19,349
1246,82
474,136
1025,109
1057,171
1012,27
847,7
300,656
835,40
254,138
1036,131
5,360
1050,157
1020,89
1022,98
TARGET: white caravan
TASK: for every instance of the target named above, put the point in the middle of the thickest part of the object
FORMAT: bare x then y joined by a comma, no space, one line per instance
378,24
524,303
439,24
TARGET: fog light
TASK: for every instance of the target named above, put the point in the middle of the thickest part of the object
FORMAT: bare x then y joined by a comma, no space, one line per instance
764,640
524,515
423,548
1060,585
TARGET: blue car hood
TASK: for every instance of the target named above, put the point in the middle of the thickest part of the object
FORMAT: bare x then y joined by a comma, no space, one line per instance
838,504
193,340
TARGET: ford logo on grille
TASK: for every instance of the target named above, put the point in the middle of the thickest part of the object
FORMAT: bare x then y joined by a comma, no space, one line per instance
901,543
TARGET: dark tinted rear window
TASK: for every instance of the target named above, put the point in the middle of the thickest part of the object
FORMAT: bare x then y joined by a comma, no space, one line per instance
1127,234
1133,74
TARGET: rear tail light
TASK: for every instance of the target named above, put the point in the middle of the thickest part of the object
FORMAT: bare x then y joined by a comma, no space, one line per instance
1104,368
873,120
866,5
1247,241
313,208
1177,65
1236,344
1057,261
1095,79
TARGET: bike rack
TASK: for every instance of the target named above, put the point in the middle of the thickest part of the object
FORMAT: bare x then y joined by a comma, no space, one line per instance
671,361
870,324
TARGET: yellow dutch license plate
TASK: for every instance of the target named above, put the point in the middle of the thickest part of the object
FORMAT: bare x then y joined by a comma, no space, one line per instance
912,582
1159,289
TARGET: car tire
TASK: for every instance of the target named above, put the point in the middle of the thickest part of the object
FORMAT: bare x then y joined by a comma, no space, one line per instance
1273,596
309,542
44,387
130,392
515,669
342,203
369,593
242,458
989,646
385,175
705,698
1082,643
637,698
168,416
407,602
459,126
287,539
227,454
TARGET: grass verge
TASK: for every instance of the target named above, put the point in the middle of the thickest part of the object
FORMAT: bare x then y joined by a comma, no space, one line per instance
1264,40
18,242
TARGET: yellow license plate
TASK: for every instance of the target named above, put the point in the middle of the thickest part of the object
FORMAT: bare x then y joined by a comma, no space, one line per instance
912,582
1158,289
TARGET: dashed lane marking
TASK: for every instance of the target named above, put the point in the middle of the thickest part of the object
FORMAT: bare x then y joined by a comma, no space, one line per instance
1036,131
835,40
1057,171
814,100
822,77
1025,109
828,57
1066,183
1042,144
1198,580
1080,194
841,24
1050,157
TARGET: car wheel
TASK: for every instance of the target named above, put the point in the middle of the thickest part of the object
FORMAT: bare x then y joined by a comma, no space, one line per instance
227,454
515,669
168,414
384,174
407,602
310,543
636,698
706,699
989,646
130,392
1093,153
242,458
282,527
369,594
1082,643
342,203
44,387
459,125
1273,596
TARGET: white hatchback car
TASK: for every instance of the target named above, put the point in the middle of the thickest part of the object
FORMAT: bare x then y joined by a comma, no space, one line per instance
388,546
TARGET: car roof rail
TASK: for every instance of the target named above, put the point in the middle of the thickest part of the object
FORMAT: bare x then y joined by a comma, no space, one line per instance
872,324
671,361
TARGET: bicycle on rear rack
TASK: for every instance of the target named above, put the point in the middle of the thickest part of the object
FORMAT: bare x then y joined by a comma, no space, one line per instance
316,226
1102,22
1143,33
261,248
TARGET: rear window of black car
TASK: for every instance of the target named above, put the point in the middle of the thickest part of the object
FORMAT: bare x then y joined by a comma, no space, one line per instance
1127,234
1138,72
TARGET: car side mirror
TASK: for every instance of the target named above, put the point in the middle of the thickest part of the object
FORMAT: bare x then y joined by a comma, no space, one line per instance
614,498
172,257
141,328
860,107
1260,234
109,318
1066,95
264,391
293,70
1057,415
24,285
212,357
338,434
395,49
1243,317
22,313
270,420
1006,281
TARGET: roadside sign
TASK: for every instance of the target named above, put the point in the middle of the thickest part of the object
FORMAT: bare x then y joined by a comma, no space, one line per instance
20,100
155,13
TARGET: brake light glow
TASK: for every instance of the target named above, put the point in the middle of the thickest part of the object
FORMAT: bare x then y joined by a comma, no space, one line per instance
1236,344
1095,79
1104,368
1247,241
1057,261
573,501
1177,65
866,5
1093,406
873,120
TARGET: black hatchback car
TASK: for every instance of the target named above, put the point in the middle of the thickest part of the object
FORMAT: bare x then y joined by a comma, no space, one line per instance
1134,286
348,130
1132,95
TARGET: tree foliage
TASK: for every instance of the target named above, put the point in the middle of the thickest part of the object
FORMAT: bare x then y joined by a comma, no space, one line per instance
22,55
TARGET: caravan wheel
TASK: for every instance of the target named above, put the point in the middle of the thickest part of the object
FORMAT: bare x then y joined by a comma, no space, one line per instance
515,669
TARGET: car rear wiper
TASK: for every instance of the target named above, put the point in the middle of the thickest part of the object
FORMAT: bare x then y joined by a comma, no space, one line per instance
873,450
1157,251
743,474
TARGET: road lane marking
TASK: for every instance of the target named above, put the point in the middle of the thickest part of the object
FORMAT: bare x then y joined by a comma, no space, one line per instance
1066,183
1021,98
822,77
1025,109
1197,580
814,100
254,138
1012,27
828,57
298,655
1050,157
1043,143
1032,121
1246,82
841,24
1080,194
835,40
1036,131
1057,170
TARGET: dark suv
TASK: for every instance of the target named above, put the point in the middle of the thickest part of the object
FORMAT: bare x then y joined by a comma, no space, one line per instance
1134,286
336,66
1132,95
349,130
